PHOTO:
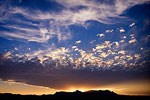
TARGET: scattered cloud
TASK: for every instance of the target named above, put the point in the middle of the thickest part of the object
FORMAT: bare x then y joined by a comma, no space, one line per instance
124,37
100,35
122,30
50,75
121,41
104,55
132,24
78,42
92,41
110,57
109,31
16,48
132,41
56,24
121,52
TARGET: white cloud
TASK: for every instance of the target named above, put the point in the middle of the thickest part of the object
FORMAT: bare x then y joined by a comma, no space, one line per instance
142,48
132,24
121,52
132,41
122,30
53,53
43,30
100,35
98,11
78,42
8,54
29,48
28,37
73,47
106,54
116,57
58,26
109,31
132,36
117,43
60,21
137,56
129,57
92,41
16,48
121,41
124,37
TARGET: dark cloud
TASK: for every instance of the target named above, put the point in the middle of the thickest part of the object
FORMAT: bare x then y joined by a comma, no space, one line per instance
34,73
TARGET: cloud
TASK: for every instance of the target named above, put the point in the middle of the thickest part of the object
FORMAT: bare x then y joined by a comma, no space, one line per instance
100,11
8,54
108,60
100,35
74,47
121,52
107,54
56,24
28,37
137,56
16,48
50,53
78,42
92,41
122,30
132,41
100,53
40,32
33,73
132,24
108,31
117,43
124,37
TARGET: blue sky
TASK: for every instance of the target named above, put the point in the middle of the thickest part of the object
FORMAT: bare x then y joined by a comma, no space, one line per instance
93,35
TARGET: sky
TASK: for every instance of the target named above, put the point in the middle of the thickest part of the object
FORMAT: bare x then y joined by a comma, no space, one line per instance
64,45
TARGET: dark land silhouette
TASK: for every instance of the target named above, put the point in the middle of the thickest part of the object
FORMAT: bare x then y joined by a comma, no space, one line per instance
77,95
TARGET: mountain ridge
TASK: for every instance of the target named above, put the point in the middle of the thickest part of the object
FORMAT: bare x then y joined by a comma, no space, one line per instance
76,95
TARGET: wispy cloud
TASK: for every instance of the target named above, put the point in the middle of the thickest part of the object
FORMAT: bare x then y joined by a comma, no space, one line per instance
104,55
59,22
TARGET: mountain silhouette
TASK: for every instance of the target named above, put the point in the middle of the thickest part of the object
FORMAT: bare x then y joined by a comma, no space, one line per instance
77,95
87,93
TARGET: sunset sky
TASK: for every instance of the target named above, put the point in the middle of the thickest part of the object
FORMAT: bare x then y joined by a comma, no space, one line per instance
66,45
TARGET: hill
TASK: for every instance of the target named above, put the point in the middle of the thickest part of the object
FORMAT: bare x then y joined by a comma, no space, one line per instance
77,95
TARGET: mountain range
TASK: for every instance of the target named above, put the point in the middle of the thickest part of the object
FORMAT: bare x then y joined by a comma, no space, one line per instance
76,95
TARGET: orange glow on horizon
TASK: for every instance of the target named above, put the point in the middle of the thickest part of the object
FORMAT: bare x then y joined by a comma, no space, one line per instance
138,87
124,88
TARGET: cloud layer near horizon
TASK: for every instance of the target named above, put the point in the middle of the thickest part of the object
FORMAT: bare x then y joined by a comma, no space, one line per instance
63,77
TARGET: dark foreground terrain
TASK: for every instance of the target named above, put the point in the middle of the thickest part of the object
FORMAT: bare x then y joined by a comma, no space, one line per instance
90,95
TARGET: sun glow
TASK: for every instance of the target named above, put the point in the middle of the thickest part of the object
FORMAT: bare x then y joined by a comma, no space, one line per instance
73,90
124,88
